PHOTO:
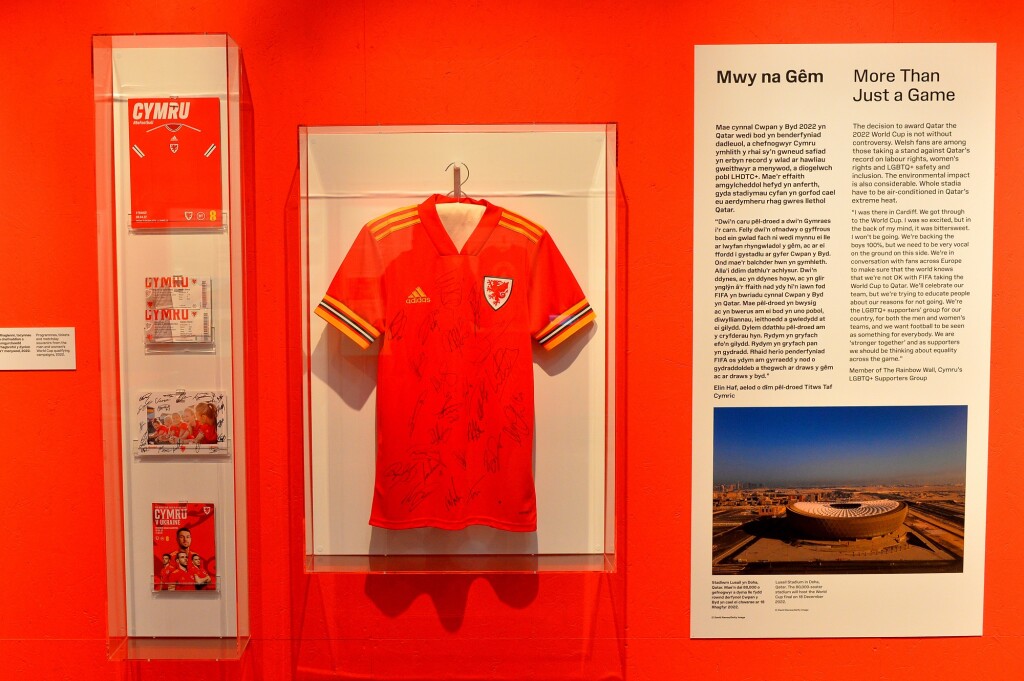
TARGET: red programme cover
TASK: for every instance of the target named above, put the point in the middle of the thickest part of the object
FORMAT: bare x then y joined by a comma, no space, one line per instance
184,547
175,163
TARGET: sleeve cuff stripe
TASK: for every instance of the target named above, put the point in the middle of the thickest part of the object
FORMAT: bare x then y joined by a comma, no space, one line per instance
339,308
343,323
567,323
357,339
571,330
561,319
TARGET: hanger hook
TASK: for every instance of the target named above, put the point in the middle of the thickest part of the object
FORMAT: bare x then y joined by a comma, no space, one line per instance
458,180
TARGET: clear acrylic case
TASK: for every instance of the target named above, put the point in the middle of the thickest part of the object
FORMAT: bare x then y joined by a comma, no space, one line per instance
560,177
170,221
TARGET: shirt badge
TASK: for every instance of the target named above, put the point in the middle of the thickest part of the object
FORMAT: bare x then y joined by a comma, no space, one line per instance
497,291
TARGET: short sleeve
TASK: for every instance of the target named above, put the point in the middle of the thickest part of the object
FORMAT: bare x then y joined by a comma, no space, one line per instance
558,307
354,302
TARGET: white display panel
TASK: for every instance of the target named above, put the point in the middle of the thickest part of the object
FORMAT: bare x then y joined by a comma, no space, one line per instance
210,254
843,235
559,177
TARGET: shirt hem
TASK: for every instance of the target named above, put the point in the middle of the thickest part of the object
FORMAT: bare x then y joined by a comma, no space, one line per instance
445,525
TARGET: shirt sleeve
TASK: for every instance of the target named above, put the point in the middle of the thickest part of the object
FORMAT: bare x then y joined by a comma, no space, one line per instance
354,302
558,307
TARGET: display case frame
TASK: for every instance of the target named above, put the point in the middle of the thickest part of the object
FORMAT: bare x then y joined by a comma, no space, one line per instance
159,77
561,176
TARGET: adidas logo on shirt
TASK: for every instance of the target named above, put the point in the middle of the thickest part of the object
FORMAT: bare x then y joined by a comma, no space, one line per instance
417,296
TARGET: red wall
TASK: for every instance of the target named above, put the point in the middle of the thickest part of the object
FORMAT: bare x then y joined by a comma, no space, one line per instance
441,62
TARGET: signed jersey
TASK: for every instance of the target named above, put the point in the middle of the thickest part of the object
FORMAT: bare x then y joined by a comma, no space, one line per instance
175,162
455,365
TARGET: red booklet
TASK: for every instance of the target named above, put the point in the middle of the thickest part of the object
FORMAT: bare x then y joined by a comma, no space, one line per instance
184,547
175,162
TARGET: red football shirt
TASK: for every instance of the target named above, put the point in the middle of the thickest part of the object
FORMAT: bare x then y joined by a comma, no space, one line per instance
201,573
175,162
181,580
165,574
209,434
455,366
163,434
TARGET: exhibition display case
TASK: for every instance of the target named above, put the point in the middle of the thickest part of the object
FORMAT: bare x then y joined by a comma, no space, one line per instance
171,231
443,407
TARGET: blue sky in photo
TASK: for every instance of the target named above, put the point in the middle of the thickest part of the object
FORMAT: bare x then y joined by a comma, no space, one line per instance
806,446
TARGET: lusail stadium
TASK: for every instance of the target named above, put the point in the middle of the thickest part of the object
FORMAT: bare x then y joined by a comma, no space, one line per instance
845,520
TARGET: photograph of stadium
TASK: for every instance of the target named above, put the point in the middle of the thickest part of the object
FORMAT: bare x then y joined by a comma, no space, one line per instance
817,490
